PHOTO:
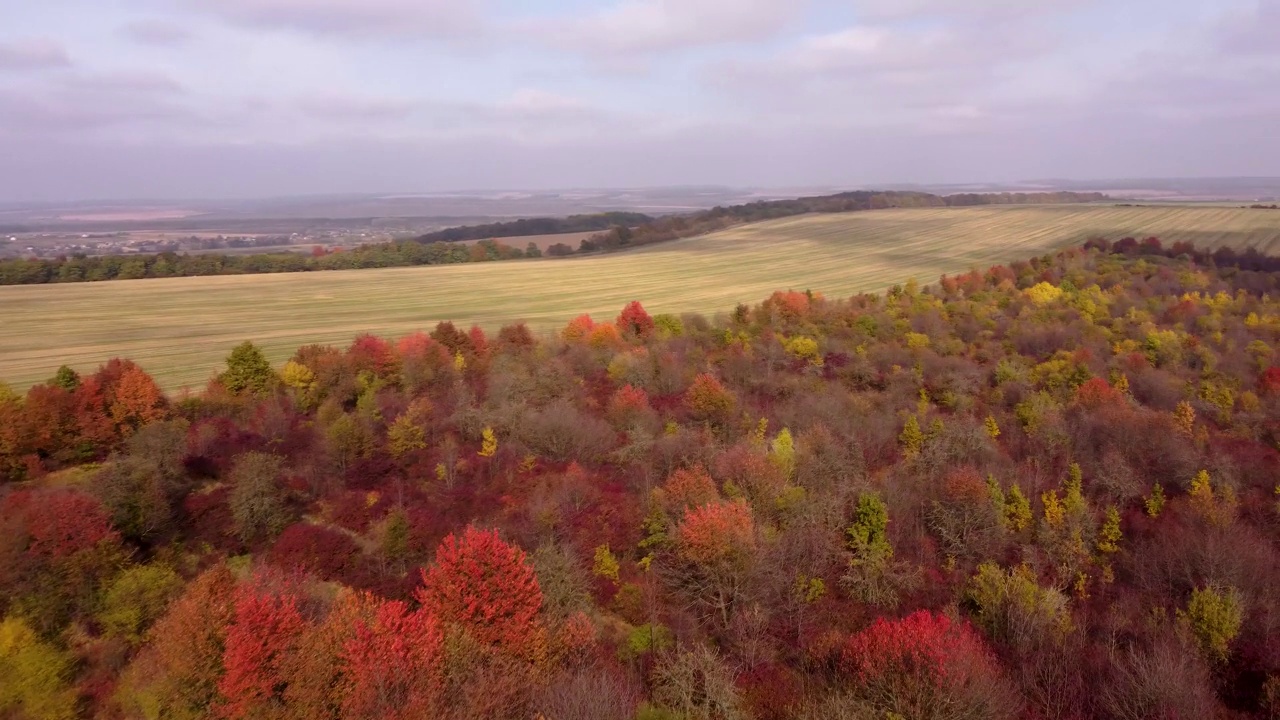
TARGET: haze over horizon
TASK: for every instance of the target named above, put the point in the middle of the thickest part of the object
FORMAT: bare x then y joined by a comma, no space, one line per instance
241,98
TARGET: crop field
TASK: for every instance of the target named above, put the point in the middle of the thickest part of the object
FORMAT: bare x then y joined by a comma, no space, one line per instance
181,329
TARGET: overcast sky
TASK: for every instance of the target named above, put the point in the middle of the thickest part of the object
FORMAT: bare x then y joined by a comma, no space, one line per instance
242,98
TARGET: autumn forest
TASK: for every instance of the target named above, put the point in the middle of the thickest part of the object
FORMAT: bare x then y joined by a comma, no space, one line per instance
1044,490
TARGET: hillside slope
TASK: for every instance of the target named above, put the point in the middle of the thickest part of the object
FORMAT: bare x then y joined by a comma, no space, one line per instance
181,329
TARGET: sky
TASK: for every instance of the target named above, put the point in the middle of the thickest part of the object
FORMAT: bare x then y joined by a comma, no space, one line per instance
249,98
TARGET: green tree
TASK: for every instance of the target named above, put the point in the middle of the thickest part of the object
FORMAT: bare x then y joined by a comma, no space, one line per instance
1214,616
783,453
1017,510
66,378
136,599
258,509
912,438
34,676
248,372
405,436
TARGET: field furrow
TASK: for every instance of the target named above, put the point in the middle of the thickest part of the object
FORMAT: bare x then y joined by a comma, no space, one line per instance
181,329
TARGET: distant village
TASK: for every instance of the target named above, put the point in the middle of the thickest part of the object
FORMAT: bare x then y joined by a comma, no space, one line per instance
49,245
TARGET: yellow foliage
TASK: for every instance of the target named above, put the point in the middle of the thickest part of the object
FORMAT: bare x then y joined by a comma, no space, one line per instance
917,341
1154,503
803,348
783,453
1201,494
1054,513
1017,509
33,676
1214,616
1044,293
912,438
1109,535
1184,416
298,376
488,444
605,565
992,427
405,436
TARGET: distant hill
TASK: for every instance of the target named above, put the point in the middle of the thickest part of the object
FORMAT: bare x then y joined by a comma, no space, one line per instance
537,226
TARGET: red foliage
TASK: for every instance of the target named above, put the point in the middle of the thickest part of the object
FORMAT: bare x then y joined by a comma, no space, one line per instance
483,584
576,639
634,321
1095,392
965,486
1269,383
58,524
453,339
479,343
717,531
789,306
771,691
187,644
605,335
372,354
922,648
49,419
707,398
266,626
578,328
515,338
134,399
330,554
414,346
627,402
393,663
689,488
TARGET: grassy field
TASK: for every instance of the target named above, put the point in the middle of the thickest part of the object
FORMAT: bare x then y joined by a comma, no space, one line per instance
181,329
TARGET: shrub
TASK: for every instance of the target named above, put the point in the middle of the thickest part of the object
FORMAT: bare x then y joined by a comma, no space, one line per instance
927,666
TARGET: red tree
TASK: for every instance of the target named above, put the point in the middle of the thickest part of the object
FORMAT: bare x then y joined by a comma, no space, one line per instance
483,584
717,532
393,665
372,354
688,488
627,402
707,399
634,321
578,328
1095,392
917,665
134,400
1269,383
266,627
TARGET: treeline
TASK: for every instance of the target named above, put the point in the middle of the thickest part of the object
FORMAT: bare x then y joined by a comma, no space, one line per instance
537,226
707,221
1046,489
1248,259
620,230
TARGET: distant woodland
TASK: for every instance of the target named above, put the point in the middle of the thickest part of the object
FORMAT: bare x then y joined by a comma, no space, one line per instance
618,231
1045,490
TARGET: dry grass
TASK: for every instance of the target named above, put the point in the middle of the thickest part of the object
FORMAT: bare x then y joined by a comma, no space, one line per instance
181,329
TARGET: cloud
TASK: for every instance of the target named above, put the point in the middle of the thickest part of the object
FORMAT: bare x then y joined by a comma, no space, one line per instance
635,27
33,54
345,108
1251,32
405,19
41,116
972,10
156,32
143,82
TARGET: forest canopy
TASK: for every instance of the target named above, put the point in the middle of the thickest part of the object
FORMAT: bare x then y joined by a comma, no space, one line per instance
1046,489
